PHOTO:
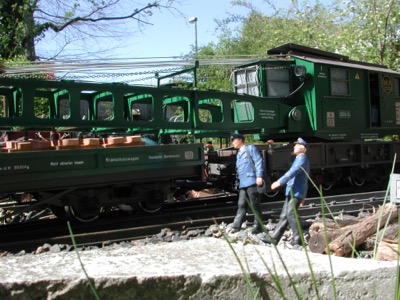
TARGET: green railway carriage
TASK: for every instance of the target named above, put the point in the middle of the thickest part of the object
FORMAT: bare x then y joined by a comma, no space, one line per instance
341,107
83,181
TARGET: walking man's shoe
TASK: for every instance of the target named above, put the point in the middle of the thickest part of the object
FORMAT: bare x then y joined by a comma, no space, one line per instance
268,240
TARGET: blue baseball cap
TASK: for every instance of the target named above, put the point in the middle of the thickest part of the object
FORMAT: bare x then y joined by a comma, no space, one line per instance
238,136
301,142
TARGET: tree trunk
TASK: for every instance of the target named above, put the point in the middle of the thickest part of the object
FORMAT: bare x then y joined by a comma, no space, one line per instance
391,233
29,40
355,235
318,241
388,250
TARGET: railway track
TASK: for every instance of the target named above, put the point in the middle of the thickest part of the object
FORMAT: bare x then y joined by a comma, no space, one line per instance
192,215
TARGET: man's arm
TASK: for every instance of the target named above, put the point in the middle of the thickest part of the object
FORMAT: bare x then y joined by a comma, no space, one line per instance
294,170
258,163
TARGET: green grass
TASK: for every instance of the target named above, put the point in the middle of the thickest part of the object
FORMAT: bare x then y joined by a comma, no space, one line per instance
92,287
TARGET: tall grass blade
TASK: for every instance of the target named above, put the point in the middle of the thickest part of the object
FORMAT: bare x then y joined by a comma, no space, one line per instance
93,288
377,240
397,287
303,243
323,205
292,283
246,275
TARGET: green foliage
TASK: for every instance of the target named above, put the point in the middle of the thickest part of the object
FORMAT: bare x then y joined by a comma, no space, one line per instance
214,78
366,30
370,31
15,27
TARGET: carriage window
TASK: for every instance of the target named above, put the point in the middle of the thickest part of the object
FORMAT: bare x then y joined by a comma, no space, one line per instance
340,85
42,103
210,111
64,106
10,101
84,109
3,106
243,111
104,104
95,105
105,110
176,109
246,81
141,107
278,84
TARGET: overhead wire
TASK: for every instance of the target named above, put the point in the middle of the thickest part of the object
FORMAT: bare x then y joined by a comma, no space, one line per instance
110,65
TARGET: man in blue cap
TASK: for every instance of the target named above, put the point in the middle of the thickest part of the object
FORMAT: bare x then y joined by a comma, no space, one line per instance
296,181
250,172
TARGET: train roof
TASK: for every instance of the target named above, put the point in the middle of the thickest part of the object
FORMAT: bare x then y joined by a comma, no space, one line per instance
349,64
295,51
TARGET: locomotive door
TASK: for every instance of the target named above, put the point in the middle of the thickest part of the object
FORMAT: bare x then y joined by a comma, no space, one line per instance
375,103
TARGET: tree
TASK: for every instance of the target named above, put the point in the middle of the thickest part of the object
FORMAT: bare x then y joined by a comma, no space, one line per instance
365,30
370,31
23,23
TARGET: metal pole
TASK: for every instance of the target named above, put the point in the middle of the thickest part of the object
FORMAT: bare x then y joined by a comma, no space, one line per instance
193,20
195,36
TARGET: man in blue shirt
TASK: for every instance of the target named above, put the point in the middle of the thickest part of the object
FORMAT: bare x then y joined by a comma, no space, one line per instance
250,171
296,181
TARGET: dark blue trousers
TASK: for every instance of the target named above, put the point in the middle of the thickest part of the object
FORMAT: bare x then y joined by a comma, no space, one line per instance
252,194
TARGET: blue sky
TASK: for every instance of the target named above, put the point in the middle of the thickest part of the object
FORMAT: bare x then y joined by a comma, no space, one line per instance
170,33
174,35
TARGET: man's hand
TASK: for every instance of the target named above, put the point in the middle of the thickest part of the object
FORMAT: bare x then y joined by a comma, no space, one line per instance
275,185
259,181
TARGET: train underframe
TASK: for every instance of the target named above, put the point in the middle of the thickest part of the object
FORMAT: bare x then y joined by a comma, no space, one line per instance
332,164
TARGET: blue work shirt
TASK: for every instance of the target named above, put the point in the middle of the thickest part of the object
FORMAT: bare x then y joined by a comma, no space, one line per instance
295,178
245,171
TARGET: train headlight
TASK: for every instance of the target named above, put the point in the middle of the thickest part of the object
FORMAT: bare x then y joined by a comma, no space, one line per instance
296,114
300,71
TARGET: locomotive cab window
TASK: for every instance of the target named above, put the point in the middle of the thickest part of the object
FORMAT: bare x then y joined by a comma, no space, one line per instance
397,87
246,81
176,109
278,82
340,83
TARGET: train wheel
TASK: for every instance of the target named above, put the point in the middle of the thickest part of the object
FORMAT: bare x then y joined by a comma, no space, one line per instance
59,212
378,179
379,174
150,206
356,181
154,203
83,214
272,194
326,187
